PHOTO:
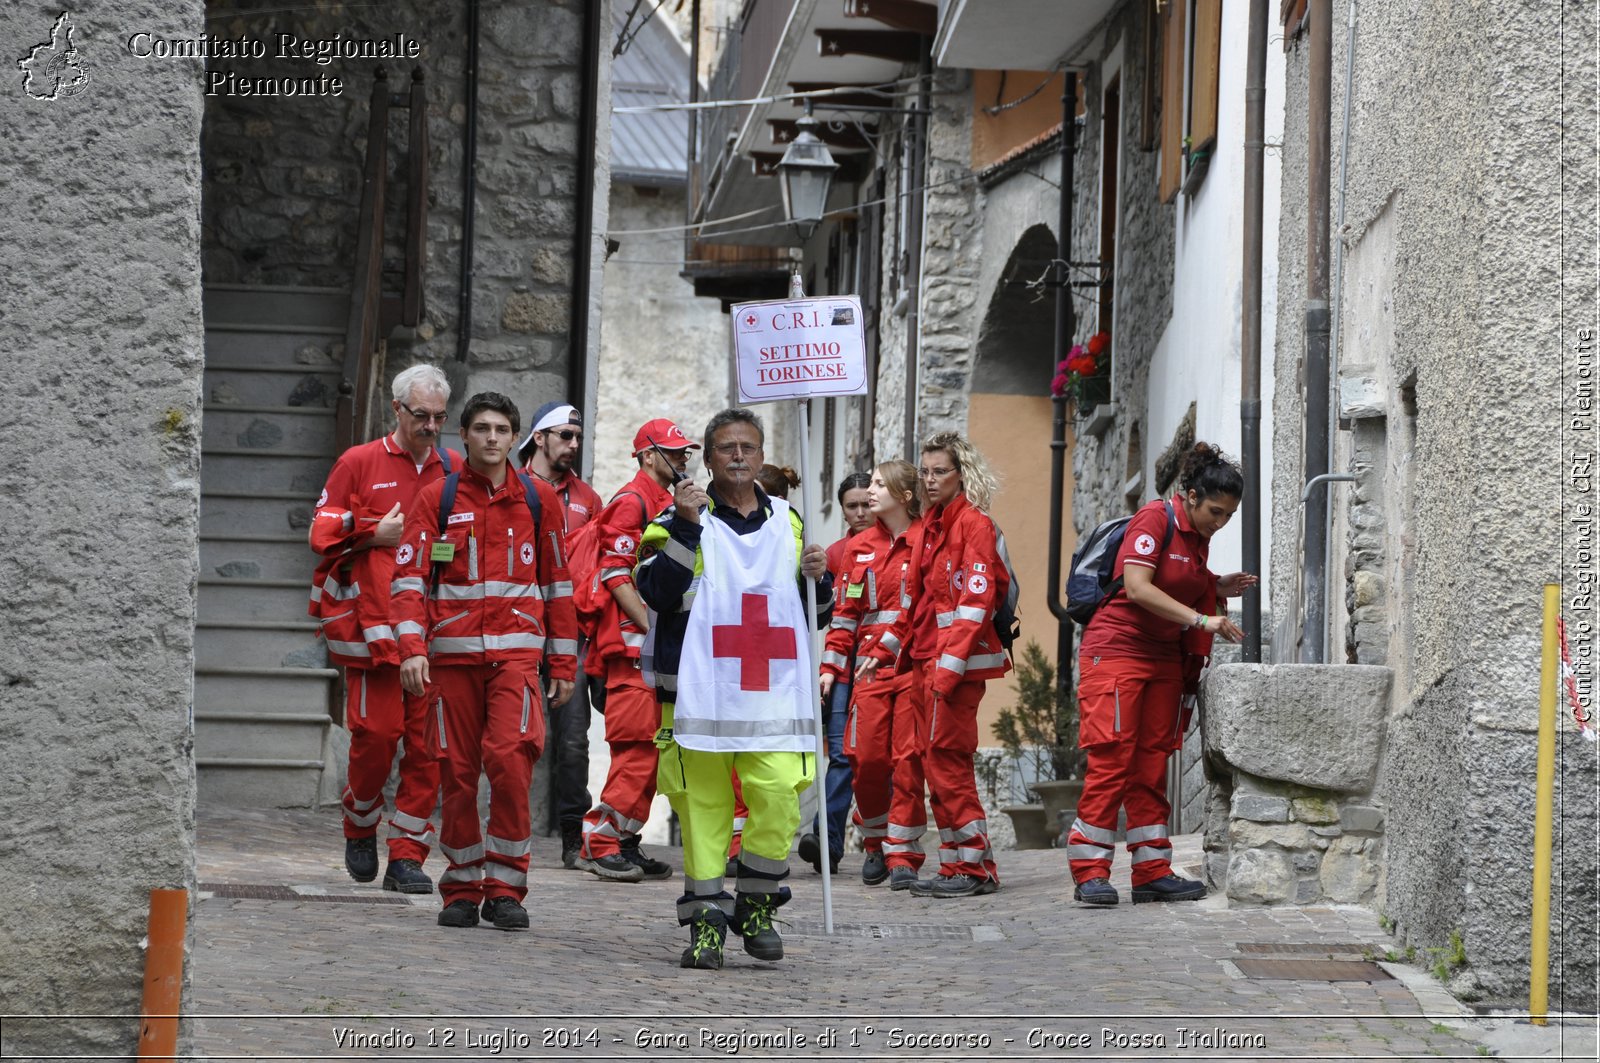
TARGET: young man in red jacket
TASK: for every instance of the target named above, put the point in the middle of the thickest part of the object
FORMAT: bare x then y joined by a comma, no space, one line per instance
356,527
480,598
549,452
611,829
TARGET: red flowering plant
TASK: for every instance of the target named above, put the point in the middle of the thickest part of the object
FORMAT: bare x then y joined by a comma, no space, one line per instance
1085,374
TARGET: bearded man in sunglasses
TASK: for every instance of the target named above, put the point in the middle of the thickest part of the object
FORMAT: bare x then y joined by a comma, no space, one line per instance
550,452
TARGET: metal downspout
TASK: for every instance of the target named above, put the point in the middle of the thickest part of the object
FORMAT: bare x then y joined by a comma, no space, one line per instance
583,235
1063,342
1255,95
914,232
469,187
1319,120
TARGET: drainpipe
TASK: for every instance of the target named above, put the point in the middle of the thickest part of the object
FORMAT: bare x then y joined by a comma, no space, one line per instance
1319,121
1063,342
1255,108
916,176
583,234
469,187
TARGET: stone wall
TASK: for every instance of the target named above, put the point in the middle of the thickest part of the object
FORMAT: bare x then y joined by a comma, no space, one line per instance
1455,778
105,353
283,175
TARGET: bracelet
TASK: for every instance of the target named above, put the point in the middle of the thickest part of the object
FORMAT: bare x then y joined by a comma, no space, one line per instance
1200,620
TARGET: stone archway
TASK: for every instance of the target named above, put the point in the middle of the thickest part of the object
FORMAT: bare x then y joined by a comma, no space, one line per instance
1009,419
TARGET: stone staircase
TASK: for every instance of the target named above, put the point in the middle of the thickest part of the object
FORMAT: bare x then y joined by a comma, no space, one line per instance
264,732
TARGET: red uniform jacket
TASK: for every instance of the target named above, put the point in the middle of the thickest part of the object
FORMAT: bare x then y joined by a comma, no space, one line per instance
622,525
503,595
959,579
350,591
876,597
580,503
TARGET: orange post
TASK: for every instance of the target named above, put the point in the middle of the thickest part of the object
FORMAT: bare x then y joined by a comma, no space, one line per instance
163,975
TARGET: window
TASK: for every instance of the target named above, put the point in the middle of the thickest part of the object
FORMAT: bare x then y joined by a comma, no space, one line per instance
1191,45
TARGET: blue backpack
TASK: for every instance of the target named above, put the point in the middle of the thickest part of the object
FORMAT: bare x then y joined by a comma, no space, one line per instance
1089,581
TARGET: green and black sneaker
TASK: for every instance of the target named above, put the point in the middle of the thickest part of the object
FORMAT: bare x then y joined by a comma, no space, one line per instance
706,934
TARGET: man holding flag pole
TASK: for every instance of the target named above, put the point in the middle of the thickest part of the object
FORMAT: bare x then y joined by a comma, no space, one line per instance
724,574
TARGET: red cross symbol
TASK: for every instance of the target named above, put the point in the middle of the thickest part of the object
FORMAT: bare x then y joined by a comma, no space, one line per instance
750,319
755,643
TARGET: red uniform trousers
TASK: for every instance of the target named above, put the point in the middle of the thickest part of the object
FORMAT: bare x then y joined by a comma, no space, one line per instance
908,808
379,714
948,746
1128,708
633,716
869,743
487,717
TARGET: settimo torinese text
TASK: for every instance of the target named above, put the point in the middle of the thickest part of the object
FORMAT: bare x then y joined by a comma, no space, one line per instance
288,47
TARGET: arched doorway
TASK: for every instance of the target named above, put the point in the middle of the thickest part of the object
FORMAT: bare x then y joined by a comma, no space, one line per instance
1009,420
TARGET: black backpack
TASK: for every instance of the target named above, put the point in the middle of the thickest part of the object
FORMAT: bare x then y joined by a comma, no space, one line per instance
447,497
1007,626
1089,582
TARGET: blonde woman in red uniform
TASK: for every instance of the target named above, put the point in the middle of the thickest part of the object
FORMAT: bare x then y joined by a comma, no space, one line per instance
1141,650
875,573
953,650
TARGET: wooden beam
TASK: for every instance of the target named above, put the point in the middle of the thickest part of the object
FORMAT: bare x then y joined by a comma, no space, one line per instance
852,168
784,130
843,99
895,45
901,14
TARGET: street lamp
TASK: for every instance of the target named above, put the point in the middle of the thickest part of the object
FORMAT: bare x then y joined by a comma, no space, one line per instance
806,172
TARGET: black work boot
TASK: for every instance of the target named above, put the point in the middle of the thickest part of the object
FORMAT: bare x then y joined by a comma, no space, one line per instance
571,846
953,886
614,867
653,869
706,933
873,871
361,858
752,917
1169,887
406,876
811,851
1095,891
459,914
505,913
902,877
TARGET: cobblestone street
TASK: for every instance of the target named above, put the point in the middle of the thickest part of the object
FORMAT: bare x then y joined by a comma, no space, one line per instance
336,969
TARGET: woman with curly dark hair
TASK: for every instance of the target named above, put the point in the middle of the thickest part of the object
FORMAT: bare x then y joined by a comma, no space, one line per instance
1140,658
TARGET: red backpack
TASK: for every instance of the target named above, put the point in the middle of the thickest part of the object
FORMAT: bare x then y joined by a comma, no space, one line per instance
584,548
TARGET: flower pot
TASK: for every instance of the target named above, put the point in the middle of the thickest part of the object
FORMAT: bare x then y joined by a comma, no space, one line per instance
1032,826
1092,391
1060,800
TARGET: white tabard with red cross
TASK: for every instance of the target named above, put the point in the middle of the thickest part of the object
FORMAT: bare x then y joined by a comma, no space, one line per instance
744,677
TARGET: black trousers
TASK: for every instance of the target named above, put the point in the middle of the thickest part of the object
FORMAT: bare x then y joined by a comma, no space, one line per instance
567,747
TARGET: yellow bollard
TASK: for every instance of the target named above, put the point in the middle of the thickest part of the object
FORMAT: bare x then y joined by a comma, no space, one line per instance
1543,815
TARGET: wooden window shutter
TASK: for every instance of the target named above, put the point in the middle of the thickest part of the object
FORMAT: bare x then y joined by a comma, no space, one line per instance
1203,82
1172,80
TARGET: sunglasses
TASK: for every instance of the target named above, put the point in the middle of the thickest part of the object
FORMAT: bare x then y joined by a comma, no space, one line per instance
566,435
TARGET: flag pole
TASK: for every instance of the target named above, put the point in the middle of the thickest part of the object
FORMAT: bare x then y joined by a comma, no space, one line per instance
810,507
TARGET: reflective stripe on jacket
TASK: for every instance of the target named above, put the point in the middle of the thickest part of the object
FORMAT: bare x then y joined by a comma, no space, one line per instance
875,598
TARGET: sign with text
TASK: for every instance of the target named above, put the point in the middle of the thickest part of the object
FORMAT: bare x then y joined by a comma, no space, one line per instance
799,348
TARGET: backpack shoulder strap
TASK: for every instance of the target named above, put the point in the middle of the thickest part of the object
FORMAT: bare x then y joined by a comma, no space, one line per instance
444,459
447,499
530,494
1172,525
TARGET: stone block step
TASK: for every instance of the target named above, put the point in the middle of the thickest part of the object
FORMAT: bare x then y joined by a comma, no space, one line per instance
222,598
277,304
241,469
253,735
230,512
255,690
293,428
259,783
271,385
258,644
312,348
264,556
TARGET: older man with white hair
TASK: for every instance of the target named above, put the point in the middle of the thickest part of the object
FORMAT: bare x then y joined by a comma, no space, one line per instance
356,529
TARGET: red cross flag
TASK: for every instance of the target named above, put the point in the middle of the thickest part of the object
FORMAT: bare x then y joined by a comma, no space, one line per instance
799,348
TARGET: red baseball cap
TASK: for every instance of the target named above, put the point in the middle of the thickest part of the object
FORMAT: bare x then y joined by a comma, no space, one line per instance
664,434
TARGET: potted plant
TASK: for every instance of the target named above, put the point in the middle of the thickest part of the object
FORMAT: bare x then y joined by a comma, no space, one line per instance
1085,374
1040,736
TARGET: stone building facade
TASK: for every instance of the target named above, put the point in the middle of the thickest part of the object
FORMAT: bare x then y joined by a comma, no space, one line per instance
103,180
1458,316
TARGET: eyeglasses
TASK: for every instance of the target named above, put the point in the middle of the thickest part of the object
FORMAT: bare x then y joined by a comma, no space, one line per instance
566,435
425,415
736,449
